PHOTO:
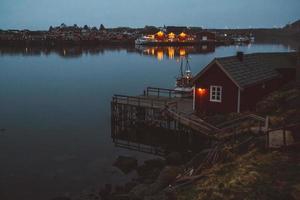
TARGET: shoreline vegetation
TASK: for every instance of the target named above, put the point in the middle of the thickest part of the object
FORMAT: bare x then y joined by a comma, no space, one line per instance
245,168
75,35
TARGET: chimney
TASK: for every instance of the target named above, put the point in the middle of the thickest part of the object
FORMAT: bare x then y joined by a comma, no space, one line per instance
240,56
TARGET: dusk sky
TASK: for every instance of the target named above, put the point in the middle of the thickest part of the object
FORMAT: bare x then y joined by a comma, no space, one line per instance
40,14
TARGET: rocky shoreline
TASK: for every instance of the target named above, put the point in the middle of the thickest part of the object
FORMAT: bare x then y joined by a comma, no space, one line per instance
154,176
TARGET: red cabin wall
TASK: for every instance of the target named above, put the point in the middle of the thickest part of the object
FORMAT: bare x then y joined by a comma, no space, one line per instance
215,76
251,95
287,74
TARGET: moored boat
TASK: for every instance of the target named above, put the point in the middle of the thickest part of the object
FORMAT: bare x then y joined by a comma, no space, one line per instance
183,80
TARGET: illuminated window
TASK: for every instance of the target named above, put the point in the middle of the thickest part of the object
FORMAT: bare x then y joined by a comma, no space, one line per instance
204,38
215,93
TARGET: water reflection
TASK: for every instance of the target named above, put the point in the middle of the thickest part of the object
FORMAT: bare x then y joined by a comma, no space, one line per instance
155,141
159,53
63,51
162,52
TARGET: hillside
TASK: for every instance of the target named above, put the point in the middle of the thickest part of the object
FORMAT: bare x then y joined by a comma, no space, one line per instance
294,26
260,173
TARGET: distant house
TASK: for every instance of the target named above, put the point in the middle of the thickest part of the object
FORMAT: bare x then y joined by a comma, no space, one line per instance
36,35
206,36
237,83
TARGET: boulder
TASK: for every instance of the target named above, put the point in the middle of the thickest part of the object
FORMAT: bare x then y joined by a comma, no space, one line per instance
126,164
165,178
174,158
296,192
106,191
151,168
139,191
155,163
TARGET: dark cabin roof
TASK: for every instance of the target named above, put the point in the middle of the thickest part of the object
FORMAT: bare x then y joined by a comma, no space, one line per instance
176,29
253,68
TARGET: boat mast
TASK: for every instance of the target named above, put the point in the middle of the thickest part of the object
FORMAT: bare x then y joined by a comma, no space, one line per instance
181,67
187,68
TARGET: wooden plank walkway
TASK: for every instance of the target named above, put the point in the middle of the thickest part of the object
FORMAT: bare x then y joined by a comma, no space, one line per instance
197,126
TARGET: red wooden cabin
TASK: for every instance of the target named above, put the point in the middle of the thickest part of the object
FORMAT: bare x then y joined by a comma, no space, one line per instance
237,83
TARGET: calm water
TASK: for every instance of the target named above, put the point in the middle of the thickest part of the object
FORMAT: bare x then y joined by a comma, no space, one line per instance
55,109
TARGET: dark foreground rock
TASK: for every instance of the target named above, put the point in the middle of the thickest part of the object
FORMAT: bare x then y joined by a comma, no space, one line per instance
126,164
174,158
150,169
166,177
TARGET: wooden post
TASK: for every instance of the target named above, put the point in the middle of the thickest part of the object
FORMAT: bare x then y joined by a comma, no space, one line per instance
168,123
267,139
267,123
234,134
259,130
267,132
284,134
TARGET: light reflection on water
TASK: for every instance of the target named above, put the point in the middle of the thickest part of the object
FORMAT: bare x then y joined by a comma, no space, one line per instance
55,107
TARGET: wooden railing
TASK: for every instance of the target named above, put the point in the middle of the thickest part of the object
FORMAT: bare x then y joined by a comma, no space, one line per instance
161,92
139,147
294,128
139,101
200,127
233,128
238,121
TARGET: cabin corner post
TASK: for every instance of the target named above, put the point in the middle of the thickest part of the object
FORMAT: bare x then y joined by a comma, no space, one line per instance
239,100
194,98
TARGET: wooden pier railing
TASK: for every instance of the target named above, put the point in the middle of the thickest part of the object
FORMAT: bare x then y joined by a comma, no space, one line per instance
161,92
292,128
237,121
200,127
236,127
140,101
139,147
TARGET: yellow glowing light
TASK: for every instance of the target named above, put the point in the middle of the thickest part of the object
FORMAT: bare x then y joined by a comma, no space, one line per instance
151,37
171,35
153,51
171,52
201,91
160,34
182,52
160,55
182,35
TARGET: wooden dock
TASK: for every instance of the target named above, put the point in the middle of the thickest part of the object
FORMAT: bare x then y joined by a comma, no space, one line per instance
166,108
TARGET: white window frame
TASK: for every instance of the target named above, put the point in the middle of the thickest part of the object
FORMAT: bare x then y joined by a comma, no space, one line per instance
213,92
204,38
